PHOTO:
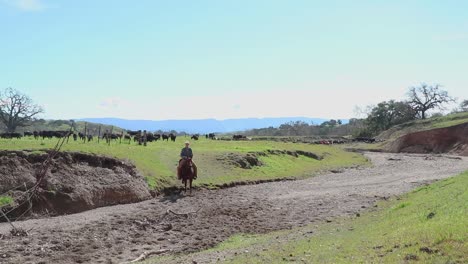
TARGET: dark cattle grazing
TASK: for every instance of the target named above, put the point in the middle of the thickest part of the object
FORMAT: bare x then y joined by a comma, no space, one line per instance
133,133
364,139
51,134
165,137
195,137
150,137
239,137
211,136
28,134
82,136
10,135
173,137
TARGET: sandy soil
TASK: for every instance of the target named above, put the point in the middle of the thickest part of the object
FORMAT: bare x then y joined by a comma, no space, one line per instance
183,224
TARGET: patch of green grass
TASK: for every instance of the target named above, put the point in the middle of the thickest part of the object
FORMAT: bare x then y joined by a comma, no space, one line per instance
157,161
428,225
6,200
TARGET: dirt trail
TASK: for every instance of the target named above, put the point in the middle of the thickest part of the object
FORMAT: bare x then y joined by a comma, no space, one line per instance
121,233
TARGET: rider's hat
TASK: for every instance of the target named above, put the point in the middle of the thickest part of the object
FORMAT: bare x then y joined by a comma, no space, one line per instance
186,142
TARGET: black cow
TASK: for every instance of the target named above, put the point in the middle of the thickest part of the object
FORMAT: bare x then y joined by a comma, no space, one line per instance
28,134
211,136
238,137
150,137
195,137
109,136
133,133
173,137
81,135
165,137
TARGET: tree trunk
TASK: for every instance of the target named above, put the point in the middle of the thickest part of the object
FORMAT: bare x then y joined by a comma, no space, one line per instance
11,128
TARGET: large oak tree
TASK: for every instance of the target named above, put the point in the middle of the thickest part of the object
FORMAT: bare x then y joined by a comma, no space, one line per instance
426,97
16,109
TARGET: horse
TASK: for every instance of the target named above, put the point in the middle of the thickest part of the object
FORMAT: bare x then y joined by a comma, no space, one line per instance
186,173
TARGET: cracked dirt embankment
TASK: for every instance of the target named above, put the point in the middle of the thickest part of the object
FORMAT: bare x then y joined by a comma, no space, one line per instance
121,233
75,182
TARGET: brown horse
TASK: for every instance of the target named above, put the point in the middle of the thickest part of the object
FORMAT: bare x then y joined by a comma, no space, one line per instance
186,173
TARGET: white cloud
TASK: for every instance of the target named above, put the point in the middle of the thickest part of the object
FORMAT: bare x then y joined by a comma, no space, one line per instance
26,5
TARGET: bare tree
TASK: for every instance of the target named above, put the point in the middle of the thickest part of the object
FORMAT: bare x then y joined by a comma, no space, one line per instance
426,97
16,109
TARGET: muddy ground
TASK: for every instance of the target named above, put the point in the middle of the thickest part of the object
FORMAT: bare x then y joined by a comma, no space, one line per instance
183,224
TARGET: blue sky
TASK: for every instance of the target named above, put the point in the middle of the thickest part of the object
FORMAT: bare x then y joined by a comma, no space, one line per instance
228,59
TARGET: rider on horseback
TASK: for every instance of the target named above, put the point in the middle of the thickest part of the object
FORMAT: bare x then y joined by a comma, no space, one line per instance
185,154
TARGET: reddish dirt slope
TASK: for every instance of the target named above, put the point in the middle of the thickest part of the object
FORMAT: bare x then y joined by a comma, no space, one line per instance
453,140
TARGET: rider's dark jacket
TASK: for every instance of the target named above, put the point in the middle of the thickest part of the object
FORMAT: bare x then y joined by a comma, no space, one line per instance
186,152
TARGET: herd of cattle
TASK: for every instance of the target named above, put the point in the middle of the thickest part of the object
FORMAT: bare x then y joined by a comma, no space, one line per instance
136,136
139,136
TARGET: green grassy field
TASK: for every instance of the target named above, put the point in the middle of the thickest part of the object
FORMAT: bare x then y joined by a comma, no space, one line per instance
428,225
157,162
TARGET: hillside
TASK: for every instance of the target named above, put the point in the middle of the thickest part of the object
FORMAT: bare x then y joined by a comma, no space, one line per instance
452,139
447,134
421,125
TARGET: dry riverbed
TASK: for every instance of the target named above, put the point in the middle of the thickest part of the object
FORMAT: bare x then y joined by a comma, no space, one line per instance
183,224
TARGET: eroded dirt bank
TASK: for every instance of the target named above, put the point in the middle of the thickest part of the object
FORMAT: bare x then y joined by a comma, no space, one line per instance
452,139
74,182
121,233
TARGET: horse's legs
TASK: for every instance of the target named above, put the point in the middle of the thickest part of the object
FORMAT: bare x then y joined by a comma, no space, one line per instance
190,186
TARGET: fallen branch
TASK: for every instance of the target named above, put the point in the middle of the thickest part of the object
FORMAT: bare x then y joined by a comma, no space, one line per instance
146,254
184,214
455,158
8,220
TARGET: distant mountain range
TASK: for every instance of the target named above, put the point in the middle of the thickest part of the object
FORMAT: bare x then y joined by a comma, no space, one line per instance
203,126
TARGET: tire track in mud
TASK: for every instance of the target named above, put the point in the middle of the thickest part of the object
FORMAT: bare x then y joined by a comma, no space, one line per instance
122,233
